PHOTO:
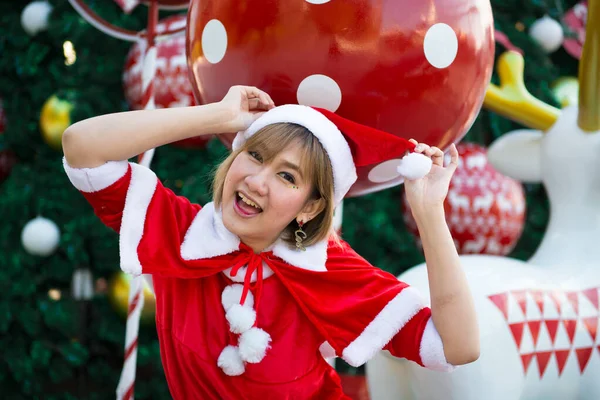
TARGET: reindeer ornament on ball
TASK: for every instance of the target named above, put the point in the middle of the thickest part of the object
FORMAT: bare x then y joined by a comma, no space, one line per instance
538,319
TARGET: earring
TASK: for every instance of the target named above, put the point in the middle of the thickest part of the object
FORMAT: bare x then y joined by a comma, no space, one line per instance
300,236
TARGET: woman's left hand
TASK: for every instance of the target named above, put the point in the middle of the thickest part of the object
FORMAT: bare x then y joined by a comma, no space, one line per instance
431,190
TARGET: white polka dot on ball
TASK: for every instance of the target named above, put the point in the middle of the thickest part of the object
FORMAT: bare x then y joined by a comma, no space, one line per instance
319,91
214,41
40,237
318,1
440,45
384,172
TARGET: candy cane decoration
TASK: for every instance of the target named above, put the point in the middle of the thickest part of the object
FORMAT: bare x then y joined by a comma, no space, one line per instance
125,388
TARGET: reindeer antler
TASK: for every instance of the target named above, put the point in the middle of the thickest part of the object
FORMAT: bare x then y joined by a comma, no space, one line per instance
512,100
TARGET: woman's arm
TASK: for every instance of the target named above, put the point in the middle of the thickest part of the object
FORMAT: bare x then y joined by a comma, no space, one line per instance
452,308
120,136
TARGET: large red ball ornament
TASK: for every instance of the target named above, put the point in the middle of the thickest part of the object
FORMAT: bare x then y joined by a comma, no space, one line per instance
485,210
417,69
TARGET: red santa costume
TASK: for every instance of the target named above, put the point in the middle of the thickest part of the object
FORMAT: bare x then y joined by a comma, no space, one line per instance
233,324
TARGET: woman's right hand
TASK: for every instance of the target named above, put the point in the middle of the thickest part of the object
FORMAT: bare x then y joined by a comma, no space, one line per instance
245,104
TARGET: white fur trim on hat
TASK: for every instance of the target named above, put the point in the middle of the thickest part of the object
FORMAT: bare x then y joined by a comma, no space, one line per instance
253,345
240,318
232,294
230,361
330,137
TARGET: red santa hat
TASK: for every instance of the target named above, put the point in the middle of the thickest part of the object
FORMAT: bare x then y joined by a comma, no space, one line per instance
347,143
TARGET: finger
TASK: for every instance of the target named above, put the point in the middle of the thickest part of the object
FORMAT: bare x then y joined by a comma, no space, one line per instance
453,157
254,104
437,156
413,141
421,148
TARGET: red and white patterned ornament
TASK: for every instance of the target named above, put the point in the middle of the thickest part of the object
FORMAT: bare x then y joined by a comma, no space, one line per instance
172,87
576,19
485,210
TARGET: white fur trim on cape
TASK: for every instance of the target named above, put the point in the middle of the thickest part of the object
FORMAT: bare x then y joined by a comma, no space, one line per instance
232,294
240,318
332,140
414,166
432,350
91,180
390,320
208,237
139,195
253,345
230,361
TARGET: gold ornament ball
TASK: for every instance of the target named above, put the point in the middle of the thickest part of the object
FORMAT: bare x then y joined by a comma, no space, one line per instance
118,294
55,117
566,90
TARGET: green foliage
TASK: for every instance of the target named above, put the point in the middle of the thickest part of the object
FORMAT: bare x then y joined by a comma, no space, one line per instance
60,349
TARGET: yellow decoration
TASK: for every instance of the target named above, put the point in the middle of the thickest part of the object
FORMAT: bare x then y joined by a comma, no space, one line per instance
55,117
512,100
589,72
566,91
118,294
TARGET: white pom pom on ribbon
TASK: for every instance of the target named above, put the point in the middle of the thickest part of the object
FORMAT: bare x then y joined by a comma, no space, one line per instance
241,318
232,294
230,361
253,345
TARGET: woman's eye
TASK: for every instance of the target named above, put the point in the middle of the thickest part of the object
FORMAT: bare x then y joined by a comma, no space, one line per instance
288,177
255,155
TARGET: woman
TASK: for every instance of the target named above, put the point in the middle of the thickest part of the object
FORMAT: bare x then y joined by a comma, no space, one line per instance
254,290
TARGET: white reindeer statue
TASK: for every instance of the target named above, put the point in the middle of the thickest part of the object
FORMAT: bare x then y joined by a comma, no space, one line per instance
538,320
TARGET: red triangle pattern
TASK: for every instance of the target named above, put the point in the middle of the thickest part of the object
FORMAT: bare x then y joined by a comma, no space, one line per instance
570,325
520,296
542,360
591,324
554,295
517,331
526,358
592,295
561,359
552,326
574,300
538,296
583,356
534,327
501,301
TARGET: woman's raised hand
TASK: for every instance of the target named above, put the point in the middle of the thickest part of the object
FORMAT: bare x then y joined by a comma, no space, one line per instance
246,104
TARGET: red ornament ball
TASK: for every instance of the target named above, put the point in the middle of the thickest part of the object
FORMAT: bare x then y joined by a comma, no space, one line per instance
417,69
485,210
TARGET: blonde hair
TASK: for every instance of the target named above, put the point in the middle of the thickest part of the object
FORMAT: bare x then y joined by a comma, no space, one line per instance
315,164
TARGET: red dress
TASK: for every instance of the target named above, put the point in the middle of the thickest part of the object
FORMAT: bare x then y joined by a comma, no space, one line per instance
236,325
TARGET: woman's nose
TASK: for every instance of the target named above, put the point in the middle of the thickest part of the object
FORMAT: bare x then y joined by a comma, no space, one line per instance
258,183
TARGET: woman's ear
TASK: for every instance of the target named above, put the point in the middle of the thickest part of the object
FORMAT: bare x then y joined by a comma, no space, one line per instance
311,209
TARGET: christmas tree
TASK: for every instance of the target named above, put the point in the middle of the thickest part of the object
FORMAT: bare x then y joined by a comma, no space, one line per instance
59,342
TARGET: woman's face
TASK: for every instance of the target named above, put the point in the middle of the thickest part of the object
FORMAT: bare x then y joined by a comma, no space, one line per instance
261,198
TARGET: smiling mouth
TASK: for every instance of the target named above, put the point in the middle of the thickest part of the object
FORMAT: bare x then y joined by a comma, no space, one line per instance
246,206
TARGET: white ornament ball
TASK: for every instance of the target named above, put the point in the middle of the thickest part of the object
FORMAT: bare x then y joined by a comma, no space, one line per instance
34,17
40,237
548,33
